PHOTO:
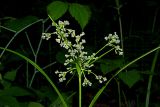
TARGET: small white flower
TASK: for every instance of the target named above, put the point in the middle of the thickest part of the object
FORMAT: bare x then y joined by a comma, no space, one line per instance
58,40
66,22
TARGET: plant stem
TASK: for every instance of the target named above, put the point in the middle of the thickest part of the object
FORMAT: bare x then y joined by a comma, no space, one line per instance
153,63
119,93
16,33
27,76
150,78
118,7
80,84
35,53
101,56
80,91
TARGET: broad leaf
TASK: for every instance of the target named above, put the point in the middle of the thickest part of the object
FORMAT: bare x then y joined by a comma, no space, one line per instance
68,97
108,65
56,9
81,13
8,77
18,24
130,77
11,75
14,91
8,101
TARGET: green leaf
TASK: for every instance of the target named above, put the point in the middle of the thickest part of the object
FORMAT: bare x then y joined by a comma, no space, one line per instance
8,101
108,65
56,9
130,77
81,13
35,104
68,97
18,24
11,75
14,91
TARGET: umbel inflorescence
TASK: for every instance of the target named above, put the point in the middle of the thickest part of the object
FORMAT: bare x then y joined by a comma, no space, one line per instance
76,55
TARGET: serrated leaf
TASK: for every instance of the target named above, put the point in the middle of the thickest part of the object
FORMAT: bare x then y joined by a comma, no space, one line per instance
10,75
14,91
35,104
81,13
130,77
18,24
56,9
8,101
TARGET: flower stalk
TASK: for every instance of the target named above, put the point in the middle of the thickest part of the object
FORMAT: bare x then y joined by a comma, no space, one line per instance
77,60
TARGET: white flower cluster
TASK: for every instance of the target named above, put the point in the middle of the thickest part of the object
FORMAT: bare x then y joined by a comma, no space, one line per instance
75,52
113,41
46,36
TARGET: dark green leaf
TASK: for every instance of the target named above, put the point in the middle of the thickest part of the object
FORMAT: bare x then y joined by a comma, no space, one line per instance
108,65
56,9
130,77
11,75
8,101
18,24
68,97
81,13
14,91
35,104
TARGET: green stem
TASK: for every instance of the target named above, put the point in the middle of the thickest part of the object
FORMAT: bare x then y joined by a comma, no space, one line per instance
18,33
27,76
118,7
101,56
119,93
101,49
150,78
153,63
80,91
125,99
80,84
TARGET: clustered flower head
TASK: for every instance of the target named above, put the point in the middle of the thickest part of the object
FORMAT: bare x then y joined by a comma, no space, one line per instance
75,52
113,41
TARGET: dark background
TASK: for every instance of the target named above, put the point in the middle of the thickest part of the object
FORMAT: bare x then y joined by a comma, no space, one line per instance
137,22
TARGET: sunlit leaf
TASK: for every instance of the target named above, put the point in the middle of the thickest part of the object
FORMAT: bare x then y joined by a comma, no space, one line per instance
56,9
81,13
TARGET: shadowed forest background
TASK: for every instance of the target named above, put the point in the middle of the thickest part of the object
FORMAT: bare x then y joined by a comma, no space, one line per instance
140,29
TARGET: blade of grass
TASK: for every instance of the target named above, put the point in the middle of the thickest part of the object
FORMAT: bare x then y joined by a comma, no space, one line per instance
41,71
